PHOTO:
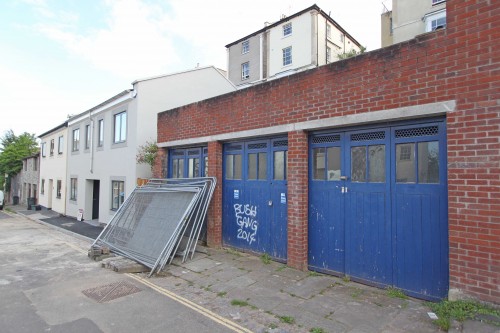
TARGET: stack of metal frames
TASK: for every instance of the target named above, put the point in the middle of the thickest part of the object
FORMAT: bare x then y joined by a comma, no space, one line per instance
160,220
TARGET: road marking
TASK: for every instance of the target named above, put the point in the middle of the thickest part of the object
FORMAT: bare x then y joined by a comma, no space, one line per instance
198,308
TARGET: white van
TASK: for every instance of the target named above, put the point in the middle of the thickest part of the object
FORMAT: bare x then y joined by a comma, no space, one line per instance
2,201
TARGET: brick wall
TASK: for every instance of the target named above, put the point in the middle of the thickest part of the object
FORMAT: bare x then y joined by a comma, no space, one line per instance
460,63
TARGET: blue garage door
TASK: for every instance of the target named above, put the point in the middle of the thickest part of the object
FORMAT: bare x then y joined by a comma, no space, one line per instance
378,207
255,196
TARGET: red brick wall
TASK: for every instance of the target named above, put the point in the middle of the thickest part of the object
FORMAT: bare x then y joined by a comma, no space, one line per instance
297,199
214,225
461,63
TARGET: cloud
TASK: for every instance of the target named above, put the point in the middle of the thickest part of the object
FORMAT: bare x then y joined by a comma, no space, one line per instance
132,44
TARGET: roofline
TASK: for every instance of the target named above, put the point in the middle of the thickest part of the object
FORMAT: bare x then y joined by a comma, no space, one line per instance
174,73
31,156
76,118
313,7
65,124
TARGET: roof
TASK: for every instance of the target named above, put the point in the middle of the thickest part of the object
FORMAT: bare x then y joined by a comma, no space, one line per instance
313,7
117,96
35,155
177,73
65,124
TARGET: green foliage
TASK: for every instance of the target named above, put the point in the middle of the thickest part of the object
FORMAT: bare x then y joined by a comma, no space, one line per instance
14,150
317,330
221,293
266,258
395,293
346,278
459,310
351,53
239,302
147,153
287,319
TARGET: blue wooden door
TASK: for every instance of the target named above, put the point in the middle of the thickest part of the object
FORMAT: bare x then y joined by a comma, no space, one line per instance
255,196
188,162
367,206
420,210
378,207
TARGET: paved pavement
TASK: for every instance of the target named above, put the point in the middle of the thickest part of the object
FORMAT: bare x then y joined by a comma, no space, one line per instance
270,297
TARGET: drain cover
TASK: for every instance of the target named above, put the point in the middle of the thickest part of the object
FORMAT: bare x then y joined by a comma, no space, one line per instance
111,291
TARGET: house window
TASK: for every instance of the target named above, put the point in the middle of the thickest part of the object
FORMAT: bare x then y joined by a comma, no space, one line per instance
25,164
245,71
328,31
73,189
435,20
101,133
60,145
35,164
58,190
287,29
120,127
42,187
87,137
117,193
405,153
342,37
287,56
52,147
245,47
76,140
328,54
43,149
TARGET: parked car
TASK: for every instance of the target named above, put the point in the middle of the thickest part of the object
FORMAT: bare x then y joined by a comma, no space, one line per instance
2,201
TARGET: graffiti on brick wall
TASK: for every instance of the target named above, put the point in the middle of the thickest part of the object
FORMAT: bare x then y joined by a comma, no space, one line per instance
246,219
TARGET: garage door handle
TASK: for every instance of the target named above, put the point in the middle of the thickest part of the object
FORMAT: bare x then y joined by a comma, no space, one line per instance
343,177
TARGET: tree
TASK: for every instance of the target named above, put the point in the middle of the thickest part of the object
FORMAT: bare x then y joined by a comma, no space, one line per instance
146,153
351,53
14,150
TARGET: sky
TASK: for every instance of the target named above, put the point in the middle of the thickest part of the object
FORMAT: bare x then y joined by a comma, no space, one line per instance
63,57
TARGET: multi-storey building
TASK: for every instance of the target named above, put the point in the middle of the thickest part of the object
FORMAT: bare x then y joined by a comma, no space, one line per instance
410,18
104,141
53,165
301,41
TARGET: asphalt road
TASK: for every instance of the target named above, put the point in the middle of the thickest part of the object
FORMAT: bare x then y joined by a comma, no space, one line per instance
48,284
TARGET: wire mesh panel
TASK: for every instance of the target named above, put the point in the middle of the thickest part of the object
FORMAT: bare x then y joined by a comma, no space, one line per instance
150,224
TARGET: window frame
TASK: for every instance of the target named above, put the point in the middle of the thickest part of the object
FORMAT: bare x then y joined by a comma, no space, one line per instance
120,195
42,187
287,29
122,124
43,149
328,31
58,189
433,17
245,46
245,70
285,57
100,133
73,189
60,144
88,138
328,54
52,146
75,145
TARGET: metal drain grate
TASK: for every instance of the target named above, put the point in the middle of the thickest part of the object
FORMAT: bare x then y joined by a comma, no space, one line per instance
111,291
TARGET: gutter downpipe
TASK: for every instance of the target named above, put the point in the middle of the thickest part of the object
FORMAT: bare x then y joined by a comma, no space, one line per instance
91,142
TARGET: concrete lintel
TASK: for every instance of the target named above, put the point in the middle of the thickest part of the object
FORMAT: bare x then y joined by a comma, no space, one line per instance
403,113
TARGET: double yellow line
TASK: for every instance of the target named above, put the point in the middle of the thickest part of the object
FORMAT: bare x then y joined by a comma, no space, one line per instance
198,308
207,313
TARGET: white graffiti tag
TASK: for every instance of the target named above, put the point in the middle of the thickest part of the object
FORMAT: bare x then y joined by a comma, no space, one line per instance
246,220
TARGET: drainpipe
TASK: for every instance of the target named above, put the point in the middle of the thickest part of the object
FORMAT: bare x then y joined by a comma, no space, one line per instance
261,55
91,130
